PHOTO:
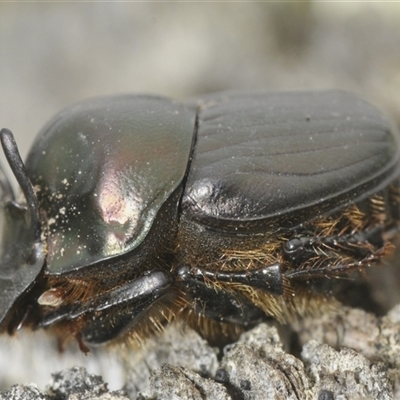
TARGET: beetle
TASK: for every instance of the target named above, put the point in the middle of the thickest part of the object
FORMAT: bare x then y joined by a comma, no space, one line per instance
139,210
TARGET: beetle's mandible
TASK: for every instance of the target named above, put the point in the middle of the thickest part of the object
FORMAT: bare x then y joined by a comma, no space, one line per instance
139,210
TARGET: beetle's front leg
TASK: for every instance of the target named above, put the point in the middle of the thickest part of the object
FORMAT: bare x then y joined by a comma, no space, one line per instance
107,315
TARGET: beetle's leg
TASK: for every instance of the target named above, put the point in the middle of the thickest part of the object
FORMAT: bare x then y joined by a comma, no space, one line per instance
268,278
342,252
107,315
299,246
229,306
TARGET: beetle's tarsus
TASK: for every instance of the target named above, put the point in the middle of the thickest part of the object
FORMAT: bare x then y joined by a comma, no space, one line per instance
82,346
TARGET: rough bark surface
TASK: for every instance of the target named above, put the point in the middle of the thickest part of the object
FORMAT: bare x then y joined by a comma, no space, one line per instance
347,355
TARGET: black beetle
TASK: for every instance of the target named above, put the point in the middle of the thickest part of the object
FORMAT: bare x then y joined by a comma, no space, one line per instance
140,210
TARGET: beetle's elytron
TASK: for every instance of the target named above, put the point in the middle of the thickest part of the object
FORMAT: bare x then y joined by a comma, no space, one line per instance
140,210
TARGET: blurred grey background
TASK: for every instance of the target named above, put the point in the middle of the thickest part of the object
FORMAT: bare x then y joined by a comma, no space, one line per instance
53,54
